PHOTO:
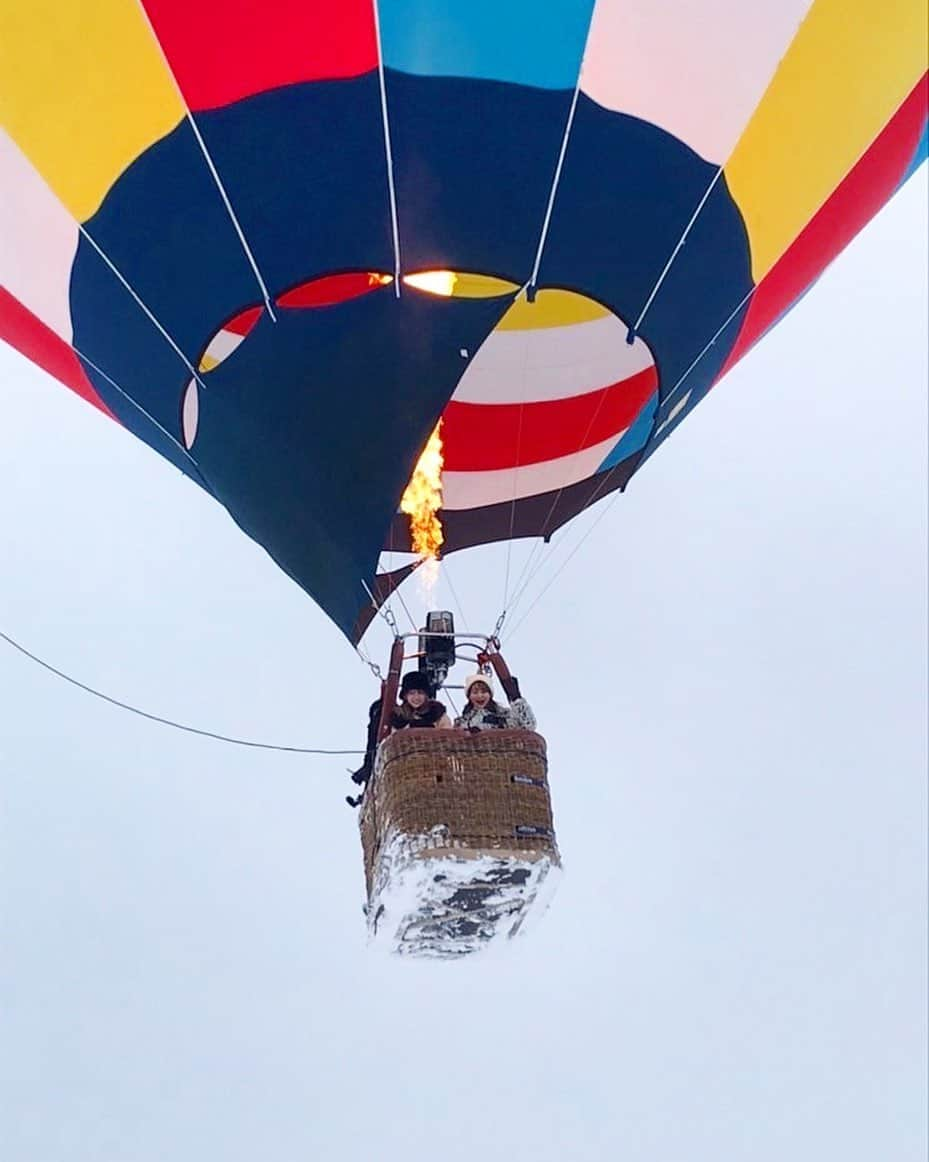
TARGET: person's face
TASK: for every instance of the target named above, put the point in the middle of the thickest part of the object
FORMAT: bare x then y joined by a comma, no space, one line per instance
479,695
416,698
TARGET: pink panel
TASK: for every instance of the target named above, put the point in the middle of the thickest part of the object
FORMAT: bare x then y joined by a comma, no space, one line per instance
696,68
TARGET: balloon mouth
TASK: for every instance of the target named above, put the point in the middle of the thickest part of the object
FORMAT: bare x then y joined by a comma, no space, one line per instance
321,292
552,396
548,415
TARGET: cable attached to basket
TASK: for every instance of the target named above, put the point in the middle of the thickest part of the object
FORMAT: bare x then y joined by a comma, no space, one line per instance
169,721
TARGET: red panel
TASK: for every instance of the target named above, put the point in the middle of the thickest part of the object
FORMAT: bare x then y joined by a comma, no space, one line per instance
221,51
244,321
482,437
853,204
331,289
22,330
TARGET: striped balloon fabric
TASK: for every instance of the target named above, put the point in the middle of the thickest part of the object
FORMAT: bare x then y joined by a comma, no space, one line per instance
280,242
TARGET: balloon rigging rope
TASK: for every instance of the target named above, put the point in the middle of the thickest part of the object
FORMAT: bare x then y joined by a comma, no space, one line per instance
601,485
446,573
406,609
164,431
168,721
546,223
674,253
388,149
140,303
211,166
564,564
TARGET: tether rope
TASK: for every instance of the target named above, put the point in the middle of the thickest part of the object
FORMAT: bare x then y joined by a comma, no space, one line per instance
168,721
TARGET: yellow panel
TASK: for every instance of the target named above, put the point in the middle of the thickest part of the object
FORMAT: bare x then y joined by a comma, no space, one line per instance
481,286
449,283
552,308
83,91
849,69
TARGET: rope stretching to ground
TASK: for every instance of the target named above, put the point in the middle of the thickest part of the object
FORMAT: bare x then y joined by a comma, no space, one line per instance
168,721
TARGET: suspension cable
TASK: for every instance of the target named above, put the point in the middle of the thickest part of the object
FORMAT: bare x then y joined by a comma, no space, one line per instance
168,721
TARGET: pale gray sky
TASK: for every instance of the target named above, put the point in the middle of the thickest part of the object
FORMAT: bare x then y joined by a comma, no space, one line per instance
732,677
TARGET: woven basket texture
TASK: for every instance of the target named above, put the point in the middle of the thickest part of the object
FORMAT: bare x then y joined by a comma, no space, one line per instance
474,793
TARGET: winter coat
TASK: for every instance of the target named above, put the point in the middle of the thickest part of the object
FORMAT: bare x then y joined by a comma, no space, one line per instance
430,713
363,773
517,716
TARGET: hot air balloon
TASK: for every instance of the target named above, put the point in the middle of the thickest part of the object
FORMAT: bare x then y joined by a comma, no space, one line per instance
287,246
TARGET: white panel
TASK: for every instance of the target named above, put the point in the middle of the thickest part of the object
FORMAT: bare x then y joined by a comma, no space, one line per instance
551,363
673,413
696,68
476,489
38,241
190,414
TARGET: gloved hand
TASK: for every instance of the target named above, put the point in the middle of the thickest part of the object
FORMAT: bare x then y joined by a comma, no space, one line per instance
511,687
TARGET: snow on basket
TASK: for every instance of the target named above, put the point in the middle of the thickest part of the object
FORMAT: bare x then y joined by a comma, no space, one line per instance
459,844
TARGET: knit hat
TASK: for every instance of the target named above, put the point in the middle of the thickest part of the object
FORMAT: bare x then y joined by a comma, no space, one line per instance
485,678
415,680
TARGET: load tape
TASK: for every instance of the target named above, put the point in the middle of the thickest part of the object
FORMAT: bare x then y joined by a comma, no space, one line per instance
527,780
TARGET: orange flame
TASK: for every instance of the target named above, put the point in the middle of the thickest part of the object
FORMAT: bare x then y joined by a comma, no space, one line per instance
423,498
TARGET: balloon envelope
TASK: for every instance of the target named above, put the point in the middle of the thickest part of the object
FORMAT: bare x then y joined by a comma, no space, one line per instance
214,219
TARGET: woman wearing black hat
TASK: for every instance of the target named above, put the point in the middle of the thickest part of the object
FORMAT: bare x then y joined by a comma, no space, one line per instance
417,706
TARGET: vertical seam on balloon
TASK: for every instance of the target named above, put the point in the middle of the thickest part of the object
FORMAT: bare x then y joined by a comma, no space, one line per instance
214,172
556,179
148,313
388,150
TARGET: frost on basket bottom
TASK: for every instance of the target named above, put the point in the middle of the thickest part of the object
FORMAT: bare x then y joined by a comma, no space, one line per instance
458,840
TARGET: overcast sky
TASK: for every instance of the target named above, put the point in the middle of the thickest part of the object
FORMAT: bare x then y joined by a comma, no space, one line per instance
731,674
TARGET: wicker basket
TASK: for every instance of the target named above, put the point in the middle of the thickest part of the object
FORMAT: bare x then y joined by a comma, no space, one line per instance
447,795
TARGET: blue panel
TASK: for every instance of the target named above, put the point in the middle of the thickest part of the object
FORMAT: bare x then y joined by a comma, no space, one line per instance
473,162
627,191
111,329
526,42
309,429
695,387
635,438
922,152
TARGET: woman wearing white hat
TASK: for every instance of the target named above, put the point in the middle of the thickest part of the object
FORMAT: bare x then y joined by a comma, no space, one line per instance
481,712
